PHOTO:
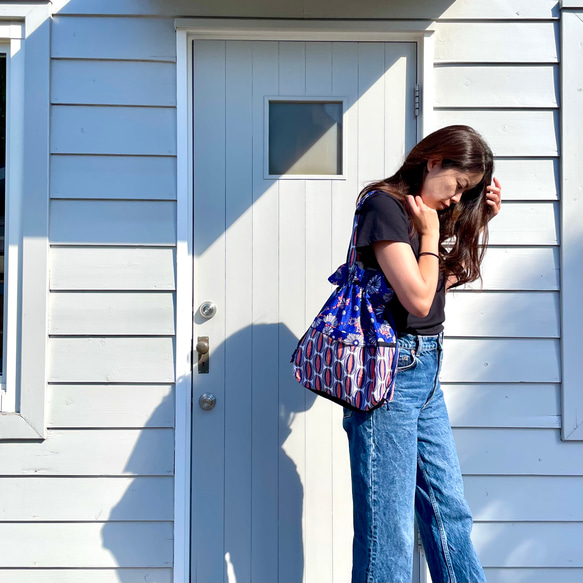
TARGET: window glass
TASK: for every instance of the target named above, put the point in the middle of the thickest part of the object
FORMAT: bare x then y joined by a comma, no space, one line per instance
305,137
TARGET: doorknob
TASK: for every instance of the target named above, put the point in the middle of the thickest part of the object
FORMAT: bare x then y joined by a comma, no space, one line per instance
203,348
207,401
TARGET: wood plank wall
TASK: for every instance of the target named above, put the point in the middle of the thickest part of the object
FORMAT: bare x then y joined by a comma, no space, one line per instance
95,499
104,474
501,374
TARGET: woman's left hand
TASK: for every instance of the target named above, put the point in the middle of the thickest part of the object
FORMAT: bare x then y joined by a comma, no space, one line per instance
494,198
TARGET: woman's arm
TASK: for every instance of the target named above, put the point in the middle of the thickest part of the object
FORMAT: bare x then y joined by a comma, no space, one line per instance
414,281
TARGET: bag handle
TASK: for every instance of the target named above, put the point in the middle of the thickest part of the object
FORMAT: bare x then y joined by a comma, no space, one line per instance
351,255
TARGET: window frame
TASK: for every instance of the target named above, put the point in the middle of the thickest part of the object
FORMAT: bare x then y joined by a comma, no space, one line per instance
25,32
298,99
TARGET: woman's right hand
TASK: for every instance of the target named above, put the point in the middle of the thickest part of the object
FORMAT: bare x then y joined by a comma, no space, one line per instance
424,218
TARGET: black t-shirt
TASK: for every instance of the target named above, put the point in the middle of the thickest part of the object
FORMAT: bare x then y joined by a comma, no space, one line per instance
383,218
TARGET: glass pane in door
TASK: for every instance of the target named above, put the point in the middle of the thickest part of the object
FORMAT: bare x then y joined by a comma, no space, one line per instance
305,137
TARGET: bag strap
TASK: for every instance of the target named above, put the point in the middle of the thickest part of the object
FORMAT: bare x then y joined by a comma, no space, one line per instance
351,255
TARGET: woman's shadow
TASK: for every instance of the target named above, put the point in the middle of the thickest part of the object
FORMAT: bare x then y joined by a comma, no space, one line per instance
263,498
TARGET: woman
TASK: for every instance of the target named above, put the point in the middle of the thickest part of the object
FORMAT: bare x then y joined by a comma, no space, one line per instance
423,229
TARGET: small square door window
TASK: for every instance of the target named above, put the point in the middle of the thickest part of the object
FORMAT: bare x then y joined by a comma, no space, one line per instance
305,138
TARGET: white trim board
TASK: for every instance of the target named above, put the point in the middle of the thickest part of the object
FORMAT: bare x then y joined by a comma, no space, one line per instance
304,30
184,309
16,10
189,29
571,225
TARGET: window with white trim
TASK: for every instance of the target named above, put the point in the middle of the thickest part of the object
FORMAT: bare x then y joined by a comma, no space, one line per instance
25,105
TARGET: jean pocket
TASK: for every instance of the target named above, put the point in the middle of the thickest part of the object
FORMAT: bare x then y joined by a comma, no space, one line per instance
407,359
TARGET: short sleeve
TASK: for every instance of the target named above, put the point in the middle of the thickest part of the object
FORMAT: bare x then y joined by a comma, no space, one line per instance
382,218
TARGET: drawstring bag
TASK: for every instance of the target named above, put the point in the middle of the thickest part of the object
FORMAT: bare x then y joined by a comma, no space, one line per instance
349,353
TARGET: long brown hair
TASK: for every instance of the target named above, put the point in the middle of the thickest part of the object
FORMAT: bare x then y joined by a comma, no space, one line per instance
460,147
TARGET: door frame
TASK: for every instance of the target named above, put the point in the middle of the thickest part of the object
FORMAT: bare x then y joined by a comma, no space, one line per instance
188,29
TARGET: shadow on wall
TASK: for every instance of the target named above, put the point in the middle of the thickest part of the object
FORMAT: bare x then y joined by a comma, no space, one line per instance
229,542
380,9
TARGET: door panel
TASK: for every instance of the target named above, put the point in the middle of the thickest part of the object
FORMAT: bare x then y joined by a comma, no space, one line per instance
238,304
271,496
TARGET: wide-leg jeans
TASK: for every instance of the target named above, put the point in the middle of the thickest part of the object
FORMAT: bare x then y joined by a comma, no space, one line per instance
404,461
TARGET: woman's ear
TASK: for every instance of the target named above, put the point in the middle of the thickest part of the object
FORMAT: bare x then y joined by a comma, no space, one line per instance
433,162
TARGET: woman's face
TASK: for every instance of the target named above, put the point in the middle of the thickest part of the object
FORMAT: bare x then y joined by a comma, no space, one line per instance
445,186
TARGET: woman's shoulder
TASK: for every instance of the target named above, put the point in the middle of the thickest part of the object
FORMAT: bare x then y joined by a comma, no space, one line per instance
384,203
383,218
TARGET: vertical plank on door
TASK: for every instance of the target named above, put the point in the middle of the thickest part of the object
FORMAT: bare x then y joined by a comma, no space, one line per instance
371,112
292,315
209,217
238,306
265,399
344,82
318,492
400,129
344,193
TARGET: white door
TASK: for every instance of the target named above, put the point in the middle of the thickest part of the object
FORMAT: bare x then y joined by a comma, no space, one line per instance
285,136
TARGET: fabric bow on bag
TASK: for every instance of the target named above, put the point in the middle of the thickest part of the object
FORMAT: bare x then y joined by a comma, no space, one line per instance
355,312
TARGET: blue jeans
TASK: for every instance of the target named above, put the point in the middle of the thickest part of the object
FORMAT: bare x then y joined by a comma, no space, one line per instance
404,460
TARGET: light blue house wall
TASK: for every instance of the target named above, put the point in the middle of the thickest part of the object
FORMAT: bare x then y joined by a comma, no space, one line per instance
94,501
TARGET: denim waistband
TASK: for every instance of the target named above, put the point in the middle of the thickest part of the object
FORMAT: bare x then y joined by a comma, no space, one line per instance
421,343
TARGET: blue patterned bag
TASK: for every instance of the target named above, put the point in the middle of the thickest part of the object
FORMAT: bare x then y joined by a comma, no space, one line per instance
349,352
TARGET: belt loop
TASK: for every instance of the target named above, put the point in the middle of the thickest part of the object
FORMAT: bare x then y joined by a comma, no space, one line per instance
418,343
